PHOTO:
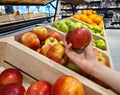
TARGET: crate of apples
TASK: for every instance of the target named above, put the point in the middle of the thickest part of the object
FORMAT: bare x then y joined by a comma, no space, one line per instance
35,67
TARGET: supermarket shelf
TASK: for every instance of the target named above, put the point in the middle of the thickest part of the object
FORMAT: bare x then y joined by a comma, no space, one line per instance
4,29
115,8
39,2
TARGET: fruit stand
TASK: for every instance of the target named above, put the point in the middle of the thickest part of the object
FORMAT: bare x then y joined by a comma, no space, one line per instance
41,67
38,51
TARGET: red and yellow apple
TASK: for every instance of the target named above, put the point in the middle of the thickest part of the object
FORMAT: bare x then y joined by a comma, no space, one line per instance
67,85
79,37
10,75
100,57
39,88
13,89
44,49
56,52
51,40
55,35
30,40
41,32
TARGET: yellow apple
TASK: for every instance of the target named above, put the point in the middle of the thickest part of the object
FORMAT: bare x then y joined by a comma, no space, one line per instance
41,32
51,40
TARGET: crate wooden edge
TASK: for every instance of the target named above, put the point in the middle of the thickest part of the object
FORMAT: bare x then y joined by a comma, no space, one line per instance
84,80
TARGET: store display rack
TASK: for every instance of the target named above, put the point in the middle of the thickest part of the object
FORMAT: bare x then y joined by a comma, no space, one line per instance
10,27
26,2
69,9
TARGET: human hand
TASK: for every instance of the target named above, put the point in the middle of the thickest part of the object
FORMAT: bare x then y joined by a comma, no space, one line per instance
85,58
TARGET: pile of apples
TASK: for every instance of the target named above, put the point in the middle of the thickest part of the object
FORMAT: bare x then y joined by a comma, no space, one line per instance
11,83
47,43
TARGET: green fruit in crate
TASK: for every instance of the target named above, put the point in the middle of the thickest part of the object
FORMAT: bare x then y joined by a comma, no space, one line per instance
79,24
63,27
60,25
85,26
68,22
73,67
96,29
73,26
100,44
99,34
57,24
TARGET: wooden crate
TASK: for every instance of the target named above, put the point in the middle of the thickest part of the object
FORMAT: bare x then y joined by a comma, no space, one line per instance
39,67
23,2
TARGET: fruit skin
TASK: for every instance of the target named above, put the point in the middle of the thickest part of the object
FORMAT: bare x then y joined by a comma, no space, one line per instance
56,52
79,37
30,40
100,44
13,89
67,85
55,35
51,41
41,32
100,57
10,75
44,49
40,88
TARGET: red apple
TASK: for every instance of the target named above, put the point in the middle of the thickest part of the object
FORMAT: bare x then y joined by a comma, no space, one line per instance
39,88
51,40
10,75
79,37
56,52
67,85
55,35
41,32
30,40
13,89
45,48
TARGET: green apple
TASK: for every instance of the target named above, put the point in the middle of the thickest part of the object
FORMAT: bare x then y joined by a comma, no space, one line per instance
57,24
73,26
100,44
68,21
73,67
85,26
51,41
96,29
99,34
79,24
63,27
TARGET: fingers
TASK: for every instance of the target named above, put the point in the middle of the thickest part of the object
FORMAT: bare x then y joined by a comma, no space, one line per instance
64,40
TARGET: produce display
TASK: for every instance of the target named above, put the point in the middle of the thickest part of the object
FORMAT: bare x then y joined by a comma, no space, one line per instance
91,17
49,42
69,24
69,84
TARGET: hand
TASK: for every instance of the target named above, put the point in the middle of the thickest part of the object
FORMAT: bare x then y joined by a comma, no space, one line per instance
86,59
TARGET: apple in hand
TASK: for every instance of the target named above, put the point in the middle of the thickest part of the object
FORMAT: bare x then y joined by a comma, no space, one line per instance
79,37
67,85
30,40
39,88
51,41
13,89
10,75
56,52
55,35
41,32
